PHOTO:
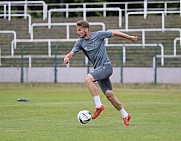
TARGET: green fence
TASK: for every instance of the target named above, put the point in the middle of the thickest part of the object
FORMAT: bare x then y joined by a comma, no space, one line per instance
117,58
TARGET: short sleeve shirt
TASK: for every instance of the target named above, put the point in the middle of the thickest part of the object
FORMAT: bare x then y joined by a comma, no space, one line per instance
94,47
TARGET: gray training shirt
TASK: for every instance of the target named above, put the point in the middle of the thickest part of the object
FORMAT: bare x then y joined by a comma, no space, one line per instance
94,47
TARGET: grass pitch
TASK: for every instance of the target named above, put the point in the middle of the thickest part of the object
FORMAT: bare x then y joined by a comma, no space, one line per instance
52,113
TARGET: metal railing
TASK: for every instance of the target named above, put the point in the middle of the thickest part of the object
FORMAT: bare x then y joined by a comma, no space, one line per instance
7,5
150,12
67,25
10,32
175,45
153,30
126,6
30,57
84,10
123,46
138,45
48,41
22,15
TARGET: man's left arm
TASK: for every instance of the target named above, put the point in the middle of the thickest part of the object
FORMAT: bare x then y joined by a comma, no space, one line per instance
124,35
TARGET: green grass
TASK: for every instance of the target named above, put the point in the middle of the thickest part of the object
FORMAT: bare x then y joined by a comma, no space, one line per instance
52,113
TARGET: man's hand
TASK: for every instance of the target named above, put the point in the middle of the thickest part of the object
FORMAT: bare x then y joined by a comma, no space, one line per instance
68,57
133,38
66,60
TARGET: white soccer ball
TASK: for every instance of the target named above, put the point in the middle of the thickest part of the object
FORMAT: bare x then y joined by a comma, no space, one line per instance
84,116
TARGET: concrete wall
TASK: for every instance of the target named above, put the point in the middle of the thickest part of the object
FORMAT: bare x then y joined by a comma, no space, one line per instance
76,75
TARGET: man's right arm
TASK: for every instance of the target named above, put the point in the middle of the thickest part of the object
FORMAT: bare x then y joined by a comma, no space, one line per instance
68,57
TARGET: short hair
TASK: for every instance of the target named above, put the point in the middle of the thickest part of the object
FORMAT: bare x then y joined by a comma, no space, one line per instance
83,24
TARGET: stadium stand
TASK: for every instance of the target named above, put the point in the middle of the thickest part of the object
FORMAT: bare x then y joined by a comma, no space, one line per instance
39,37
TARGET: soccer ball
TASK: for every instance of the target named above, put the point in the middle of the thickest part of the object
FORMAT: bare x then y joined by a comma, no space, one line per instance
84,116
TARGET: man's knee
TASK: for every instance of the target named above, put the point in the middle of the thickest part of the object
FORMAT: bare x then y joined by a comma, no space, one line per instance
109,95
89,78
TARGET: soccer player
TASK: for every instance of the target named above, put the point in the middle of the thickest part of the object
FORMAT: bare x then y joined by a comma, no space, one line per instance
93,46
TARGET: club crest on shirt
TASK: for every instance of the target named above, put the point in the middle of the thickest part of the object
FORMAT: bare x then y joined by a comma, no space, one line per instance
94,42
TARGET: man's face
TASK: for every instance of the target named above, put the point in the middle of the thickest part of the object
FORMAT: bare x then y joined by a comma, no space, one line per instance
81,32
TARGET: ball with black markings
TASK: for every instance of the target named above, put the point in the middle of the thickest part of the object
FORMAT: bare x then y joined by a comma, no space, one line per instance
84,116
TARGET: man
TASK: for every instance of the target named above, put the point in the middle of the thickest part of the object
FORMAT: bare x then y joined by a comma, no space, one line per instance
92,44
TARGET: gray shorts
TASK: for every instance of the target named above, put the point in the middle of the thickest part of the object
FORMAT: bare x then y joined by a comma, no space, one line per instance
102,74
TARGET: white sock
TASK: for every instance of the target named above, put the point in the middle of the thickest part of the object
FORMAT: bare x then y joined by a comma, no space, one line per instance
97,101
123,113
